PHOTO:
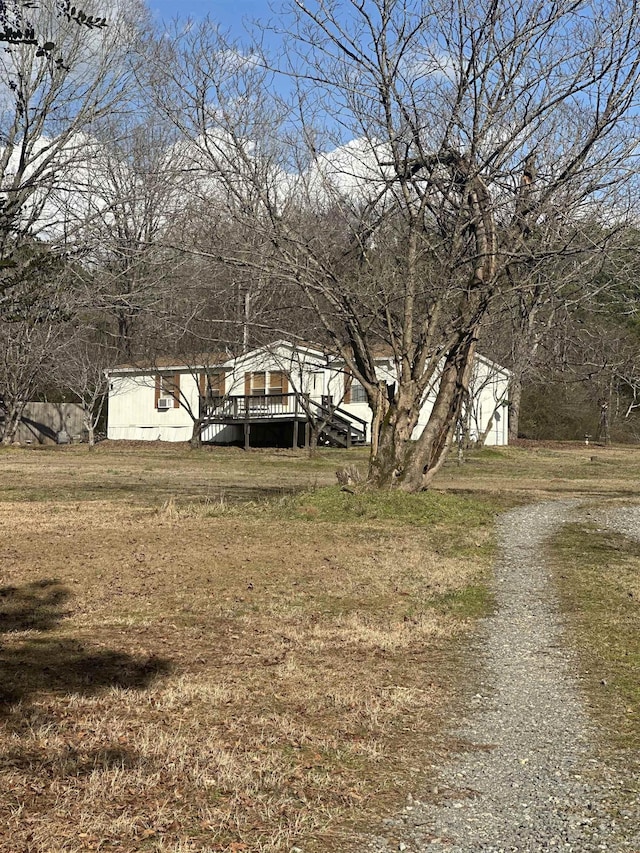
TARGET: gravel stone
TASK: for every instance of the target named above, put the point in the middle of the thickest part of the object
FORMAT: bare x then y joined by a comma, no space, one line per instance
532,777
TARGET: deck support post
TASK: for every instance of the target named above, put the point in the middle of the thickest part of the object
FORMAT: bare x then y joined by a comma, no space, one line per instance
307,434
247,435
295,433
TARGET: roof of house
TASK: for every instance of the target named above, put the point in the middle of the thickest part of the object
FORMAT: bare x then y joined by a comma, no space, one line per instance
206,361
198,362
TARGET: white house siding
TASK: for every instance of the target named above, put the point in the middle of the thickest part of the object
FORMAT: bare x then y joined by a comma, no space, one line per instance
133,414
489,398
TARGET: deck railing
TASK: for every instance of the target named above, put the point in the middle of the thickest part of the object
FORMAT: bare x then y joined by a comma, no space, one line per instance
250,406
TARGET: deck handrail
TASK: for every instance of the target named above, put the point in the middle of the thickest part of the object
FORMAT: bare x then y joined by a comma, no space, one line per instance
343,414
241,405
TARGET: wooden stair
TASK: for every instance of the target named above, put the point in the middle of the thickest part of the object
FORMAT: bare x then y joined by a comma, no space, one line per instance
339,428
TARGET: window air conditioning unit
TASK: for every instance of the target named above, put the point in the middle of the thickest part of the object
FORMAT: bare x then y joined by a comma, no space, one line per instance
164,403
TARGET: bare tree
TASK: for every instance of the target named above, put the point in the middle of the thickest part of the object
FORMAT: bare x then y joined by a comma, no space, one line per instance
126,194
54,86
478,138
199,368
539,327
33,321
80,369
47,109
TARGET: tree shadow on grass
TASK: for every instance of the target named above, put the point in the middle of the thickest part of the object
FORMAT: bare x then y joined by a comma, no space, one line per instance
38,662
68,761
34,606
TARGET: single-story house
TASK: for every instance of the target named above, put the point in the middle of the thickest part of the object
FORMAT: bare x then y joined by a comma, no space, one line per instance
274,396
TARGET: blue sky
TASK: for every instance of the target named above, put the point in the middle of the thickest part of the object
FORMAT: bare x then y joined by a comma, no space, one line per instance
230,13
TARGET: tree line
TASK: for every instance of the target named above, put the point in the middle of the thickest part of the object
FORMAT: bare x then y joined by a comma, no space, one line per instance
418,178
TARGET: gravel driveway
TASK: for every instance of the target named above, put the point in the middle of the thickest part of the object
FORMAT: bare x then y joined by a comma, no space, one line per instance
531,778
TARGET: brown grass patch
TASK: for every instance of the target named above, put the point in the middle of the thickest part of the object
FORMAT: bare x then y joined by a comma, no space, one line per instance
189,677
540,472
597,575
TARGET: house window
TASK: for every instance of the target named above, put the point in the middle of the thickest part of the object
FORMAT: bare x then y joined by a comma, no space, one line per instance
358,394
262,383
167,391
212,384
278,383
353,390
259,383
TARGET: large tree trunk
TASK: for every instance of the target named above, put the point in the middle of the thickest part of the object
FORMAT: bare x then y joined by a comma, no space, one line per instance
411,465
381,412
391,431
433,445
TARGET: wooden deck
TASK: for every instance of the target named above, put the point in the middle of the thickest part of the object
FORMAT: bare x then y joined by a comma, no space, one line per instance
339,427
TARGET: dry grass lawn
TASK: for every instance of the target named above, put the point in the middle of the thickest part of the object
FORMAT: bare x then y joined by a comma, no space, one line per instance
186,669
543,471
208,652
